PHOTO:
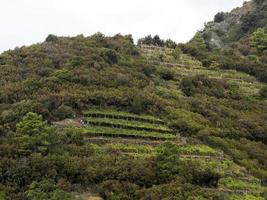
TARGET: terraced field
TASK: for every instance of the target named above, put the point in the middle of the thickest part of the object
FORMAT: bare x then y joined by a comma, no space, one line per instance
137,136
234,179
125,125
164,56
188,66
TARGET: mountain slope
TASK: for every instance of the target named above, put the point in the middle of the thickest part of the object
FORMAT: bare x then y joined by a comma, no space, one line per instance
110,107
236,40
235,25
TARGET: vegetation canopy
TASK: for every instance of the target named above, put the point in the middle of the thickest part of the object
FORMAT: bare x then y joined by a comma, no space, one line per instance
99,117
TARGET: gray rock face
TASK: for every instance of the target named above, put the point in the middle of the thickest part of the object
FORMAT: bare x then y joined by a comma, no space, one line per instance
215,34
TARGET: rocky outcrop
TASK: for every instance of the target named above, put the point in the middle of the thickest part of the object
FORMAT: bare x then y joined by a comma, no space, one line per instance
217,34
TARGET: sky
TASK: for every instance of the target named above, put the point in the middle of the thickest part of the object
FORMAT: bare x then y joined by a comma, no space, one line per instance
25,22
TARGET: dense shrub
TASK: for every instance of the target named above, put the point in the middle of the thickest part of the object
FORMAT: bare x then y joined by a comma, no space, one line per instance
51,38
63,112
167,74
219,17
263,92
203,85
177,53
157,41
55,79
167,161
113,189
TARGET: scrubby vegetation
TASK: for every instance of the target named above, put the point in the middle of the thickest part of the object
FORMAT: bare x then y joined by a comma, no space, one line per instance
100,116
235,40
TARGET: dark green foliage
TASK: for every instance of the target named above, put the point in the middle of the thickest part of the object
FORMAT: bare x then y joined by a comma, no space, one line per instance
198,176
156,41
63,112
219,17
46,190
146,40
69,76
110,56
232,49
170,44
51,38
141,102
251,21
263,92
115,190
201,84
167,161
33,134
167,74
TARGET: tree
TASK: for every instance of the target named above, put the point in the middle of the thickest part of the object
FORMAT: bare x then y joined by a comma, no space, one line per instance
170,44
219,17
177,53
32,133
167,160
259,39
51,38
199,41
157,41
31,125
148,40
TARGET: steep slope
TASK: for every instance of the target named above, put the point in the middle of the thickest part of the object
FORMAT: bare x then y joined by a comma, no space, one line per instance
236,40
233,26
110,107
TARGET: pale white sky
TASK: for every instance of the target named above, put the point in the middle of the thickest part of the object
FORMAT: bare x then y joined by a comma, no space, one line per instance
24,22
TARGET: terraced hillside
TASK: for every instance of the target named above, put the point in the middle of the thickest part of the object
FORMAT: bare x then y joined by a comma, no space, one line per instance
99,124
138,136
185,66
120,124
98,117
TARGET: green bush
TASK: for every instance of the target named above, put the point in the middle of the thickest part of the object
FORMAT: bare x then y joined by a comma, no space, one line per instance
63,112
167,161
51,38
177,53
263,92
170,44
47,190
116,190
167,74
219,17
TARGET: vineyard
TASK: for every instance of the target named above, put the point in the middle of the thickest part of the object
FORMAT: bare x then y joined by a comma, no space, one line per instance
137,136
134,136
102,117
187,66
125,125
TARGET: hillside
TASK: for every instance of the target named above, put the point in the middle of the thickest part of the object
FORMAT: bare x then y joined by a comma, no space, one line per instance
98,117
234,40
233,26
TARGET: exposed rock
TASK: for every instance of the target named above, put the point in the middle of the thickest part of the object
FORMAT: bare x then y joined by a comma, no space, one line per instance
215,33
